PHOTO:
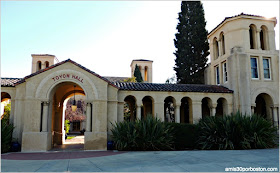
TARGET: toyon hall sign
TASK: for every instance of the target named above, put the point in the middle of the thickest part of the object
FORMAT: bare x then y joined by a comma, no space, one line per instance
67,76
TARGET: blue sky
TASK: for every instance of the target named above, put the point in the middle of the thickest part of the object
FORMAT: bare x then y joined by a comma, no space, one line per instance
104,36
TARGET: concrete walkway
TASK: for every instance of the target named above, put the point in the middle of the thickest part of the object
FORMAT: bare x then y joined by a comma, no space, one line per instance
150,161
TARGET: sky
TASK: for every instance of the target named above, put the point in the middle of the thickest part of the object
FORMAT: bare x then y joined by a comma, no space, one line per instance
105,36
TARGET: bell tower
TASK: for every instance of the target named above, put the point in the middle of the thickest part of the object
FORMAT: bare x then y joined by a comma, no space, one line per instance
41,61
146,69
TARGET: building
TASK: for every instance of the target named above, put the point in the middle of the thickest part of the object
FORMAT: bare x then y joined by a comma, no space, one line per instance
243,75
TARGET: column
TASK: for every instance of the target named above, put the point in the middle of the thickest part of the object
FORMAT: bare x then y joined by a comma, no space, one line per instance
197,111
275,116
45,117
213,109
252,110
138,112
159,110
88,125
177,113
258,42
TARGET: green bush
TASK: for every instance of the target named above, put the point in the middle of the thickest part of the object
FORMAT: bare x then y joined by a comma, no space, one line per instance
236,131
147,134
185,135
67,126
6,135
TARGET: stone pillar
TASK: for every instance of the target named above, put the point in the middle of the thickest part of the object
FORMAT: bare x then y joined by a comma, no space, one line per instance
197,111
138,112
177,113
88,125
159,110
45,116
120,111
252,110
275,116
258,41
213,109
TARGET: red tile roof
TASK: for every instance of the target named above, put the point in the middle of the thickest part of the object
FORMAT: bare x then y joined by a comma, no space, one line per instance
9,82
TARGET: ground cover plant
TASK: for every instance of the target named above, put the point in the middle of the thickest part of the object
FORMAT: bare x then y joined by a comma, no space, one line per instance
147,134
236,131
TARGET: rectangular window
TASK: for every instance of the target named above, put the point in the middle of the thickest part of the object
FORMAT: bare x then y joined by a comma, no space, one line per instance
217,75
266,68
225,72
254,68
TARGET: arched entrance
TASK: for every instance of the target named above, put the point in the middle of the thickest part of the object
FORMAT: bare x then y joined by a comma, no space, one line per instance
186,110
169,109
221,109
263,102
5,105
206,106
59,96
148,107
130,108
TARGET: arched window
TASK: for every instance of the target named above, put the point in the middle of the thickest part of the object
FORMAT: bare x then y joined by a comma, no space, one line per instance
221,108
47,64
169,109
146,74
147,106
206,107
39,65
252,33
222,38
216,48
129,108
264,38
186,110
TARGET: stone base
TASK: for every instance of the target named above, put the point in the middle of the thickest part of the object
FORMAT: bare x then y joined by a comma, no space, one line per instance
36,141
95,141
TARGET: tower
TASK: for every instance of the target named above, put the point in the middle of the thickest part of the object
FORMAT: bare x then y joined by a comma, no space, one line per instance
244,59
41,61
146,68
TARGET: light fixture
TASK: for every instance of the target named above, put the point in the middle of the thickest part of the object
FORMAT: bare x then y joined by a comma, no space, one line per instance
74,106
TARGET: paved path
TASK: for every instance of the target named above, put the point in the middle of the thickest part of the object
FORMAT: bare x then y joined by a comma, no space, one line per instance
160,161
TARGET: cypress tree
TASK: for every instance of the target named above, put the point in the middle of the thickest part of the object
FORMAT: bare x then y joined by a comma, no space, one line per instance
191,44
137,74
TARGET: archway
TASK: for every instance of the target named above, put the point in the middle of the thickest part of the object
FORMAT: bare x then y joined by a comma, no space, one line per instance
60,95
130,108
221,107
206,107
263,102
169,109
186,110
148,107
5,105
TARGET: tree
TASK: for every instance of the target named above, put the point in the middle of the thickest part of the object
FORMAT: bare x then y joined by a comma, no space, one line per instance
191,44
137,74
131,79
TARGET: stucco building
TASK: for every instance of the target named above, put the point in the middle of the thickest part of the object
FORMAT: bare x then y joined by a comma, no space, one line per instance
243,75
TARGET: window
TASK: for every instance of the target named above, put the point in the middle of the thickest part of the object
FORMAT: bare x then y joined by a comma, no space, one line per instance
254,68
225,72
217,75
266,69
263,38
223,51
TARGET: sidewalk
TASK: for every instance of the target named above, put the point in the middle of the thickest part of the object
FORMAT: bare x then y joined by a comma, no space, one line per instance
150,161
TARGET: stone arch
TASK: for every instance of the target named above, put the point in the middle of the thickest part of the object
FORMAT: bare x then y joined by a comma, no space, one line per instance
38,65
47,64
5,100
263,106
264,38
206,107
222,107
47,84
186,112
253,36
268,91
130,108
148,106
222,38
216,48
169,109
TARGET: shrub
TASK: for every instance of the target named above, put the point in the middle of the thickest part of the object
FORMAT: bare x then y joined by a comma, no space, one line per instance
236,131
6,135
147,134
185,135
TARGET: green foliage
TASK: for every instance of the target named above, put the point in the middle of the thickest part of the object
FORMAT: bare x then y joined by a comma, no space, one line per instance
132,79
6,135
147,134
7,112
191,44
137,74
67,126
236,131
185,135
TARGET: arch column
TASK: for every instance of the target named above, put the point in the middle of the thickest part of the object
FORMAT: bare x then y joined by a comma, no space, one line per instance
138,112
213,109
159,110
177,113
88,125
120,111
45,116
258,41
197,111
253,109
